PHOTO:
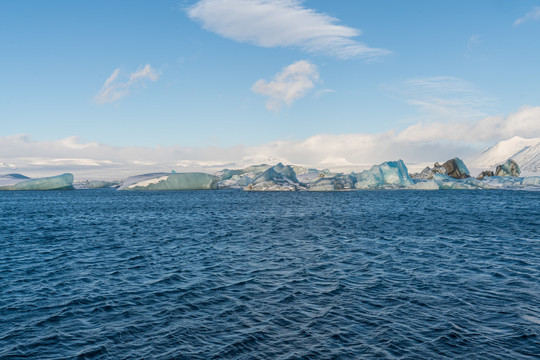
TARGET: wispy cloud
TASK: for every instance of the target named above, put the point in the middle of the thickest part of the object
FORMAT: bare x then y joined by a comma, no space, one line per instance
281,23
443,97
115,88
292,83
533,15
435,141
473,42
322,92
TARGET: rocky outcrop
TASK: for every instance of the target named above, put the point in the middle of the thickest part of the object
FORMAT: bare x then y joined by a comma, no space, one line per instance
509,168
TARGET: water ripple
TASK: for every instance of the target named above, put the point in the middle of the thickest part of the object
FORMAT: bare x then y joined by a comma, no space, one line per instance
234,275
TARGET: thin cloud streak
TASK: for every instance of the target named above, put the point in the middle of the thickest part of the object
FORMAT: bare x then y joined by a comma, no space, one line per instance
444,98
115,89
281,23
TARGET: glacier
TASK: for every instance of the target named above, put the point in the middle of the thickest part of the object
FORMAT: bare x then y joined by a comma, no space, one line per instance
21,182
171,181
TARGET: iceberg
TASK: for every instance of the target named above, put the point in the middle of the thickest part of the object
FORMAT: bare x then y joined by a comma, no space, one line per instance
390,174
238,179
452,175
454,168
340,182
509,168
425,185
95,184
171,181
235,182
276,178
446,182
531,180
227,174
21,182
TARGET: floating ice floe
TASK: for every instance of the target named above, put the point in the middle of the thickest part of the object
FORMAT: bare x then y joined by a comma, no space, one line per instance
171,181
21,182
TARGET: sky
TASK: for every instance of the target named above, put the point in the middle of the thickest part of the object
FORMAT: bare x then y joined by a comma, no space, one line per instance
127,86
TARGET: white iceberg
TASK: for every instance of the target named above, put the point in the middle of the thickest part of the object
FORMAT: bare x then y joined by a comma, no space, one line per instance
171,181
21,182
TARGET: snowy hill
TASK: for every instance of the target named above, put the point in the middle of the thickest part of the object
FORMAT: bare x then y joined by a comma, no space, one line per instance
526,152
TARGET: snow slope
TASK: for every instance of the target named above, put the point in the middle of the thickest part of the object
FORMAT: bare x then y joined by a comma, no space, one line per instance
526,152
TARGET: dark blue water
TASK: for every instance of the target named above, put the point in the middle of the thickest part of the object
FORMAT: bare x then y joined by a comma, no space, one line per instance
235,275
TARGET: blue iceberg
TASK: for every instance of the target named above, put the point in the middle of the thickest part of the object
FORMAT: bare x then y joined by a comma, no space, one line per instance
21,182
171,181
390,174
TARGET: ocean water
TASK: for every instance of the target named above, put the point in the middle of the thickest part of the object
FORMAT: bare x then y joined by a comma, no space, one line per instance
236,275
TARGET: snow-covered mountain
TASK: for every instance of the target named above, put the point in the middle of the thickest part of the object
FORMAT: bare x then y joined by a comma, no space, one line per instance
526,152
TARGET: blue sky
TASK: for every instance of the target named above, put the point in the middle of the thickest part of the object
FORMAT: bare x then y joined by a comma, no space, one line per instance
183,73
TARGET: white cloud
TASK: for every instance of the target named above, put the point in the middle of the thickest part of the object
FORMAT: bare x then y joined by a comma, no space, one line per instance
281,23
532,15
115,89
525,123
292,83
421,142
